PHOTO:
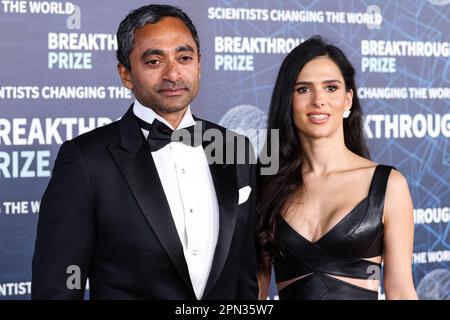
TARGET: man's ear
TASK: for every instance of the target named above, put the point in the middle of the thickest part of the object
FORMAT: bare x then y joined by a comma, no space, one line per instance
199,66
125,76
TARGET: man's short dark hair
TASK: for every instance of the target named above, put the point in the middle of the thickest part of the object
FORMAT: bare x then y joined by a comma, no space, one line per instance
147,15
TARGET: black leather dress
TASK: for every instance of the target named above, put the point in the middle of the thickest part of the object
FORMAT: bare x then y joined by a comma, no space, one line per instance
341,251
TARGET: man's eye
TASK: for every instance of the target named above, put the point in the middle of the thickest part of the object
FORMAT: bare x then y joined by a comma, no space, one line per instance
186,58
153,62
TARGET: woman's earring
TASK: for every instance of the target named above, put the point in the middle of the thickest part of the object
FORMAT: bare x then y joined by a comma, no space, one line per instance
346,113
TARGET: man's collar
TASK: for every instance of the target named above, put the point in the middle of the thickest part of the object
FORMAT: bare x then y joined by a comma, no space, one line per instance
148,115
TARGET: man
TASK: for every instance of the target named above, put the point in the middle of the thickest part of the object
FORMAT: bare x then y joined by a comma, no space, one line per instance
137,214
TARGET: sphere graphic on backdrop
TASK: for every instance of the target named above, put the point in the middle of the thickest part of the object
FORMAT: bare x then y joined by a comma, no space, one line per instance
435,285
249,121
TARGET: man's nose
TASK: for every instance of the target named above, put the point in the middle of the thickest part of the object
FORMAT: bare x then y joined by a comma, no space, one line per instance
171,72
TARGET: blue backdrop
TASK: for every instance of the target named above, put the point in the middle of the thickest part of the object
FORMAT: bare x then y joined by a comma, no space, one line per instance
58,79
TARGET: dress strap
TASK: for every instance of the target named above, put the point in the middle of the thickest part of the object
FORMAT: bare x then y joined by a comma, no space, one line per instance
377,190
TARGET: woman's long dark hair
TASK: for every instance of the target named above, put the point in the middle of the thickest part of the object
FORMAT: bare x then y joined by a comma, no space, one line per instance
275,190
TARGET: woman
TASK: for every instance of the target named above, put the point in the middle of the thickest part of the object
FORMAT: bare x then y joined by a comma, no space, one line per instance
330,216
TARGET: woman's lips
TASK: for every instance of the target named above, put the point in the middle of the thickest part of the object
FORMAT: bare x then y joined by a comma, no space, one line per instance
318,118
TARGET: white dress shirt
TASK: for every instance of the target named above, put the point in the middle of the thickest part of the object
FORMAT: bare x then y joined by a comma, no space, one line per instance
189,188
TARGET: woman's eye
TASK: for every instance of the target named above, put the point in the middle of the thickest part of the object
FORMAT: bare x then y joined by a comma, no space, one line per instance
332,88
302,90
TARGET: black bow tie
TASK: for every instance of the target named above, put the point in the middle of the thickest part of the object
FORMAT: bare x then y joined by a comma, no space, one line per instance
160,135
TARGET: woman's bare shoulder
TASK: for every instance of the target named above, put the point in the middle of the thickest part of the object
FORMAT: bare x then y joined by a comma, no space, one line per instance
397,183
398,202
365,165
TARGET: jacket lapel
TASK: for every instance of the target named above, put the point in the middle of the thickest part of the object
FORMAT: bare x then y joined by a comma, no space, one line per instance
225,184
136,163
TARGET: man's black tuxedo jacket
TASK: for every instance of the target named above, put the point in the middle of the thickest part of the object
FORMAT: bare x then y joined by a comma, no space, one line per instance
105,211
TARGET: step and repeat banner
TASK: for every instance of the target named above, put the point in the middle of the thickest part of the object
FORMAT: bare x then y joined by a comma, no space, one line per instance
58,79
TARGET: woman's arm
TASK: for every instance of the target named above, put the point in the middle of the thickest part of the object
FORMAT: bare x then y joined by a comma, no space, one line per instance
398,239
264,284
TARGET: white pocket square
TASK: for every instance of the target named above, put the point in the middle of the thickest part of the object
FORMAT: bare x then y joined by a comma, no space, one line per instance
244,193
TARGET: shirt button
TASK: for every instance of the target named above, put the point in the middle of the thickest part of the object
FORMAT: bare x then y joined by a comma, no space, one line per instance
183,170
191,210
195,252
